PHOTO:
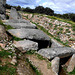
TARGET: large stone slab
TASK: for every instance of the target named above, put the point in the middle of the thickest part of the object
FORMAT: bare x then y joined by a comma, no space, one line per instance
35,34
21,25
26,45
14,14
18,21
56,52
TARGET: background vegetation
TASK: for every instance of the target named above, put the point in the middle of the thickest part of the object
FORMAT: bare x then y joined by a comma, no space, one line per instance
42,10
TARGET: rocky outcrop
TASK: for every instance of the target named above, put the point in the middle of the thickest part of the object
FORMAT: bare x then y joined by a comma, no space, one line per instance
22,25
26,45
2,9
61,52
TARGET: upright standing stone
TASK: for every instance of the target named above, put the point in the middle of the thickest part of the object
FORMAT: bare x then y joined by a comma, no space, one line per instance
15,17
71,64
2,6
2,9
55,65
14,14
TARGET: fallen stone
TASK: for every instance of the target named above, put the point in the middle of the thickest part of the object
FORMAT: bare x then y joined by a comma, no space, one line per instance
56,52
21,25
26,45
55,65
29,34
14,14
71,65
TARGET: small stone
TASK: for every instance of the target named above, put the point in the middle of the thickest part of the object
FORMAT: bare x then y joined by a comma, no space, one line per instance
71,64
9,56
14,61
14,57
2,45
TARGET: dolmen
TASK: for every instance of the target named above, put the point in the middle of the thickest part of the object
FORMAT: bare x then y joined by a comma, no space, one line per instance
35,35
23,29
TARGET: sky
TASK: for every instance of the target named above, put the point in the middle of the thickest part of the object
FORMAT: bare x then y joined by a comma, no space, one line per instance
59,6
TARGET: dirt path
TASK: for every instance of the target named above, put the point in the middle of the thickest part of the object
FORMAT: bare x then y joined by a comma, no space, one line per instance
42,65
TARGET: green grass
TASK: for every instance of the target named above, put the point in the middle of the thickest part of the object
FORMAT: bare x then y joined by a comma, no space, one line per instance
63,20
56,18
72,39
34,68
4,53
7,27
72,73
1,22
7,70
16,38
40,57
30,52
49,65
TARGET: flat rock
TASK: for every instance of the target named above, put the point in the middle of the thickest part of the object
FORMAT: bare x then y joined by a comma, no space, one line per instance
26,45
56,52
34,34
18,21
21,25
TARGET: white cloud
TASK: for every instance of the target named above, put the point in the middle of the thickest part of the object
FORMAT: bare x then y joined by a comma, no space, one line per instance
59,6
37,1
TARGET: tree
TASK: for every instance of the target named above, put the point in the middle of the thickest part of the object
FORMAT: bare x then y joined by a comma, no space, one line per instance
39,9
48,11
18,8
